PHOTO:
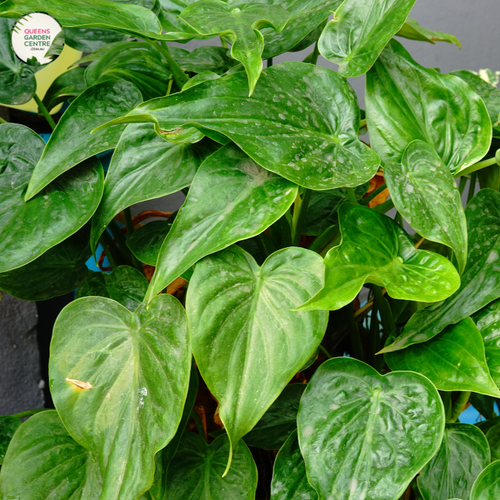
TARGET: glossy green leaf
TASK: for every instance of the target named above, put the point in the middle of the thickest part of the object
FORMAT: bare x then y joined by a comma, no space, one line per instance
30,229
464,453
171,22
364,435
71,141
493,437
134,372
125,285
279,421
56,272
127,18
301,122
289,474
8,426
43,461
426,195
231,198
375,249
201,59
65,87
91,39
196,471
359,31
453,360
137,62
261,344
241,25
412,30
488,322
307,16
487,485
145,243
144,166
403,98
17,80
484,404
480,282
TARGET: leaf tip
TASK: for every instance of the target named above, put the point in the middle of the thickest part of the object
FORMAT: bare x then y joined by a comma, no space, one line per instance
84,386
229,460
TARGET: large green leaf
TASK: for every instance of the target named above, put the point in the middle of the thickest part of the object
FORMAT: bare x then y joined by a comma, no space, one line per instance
17,80
196,470
56,272
126,18
30,229
301,122
43,461
71,141
426,195
137,62
364,435
144,166
359,31
119,381
92,39
412,30
65,87
405,102
488,322
375,249
454,360
145,243
231,199
273,429
125,285
201,59
480,282
493,437
464,453
487,485
241,25
244,333
289,474
8,426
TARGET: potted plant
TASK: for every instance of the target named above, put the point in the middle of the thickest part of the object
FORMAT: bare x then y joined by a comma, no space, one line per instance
280,318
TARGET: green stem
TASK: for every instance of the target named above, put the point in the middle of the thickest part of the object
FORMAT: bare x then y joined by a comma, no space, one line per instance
109,248
373,195
179,76
351,195
128,221
472,187
384,207
269,62
362,123
374,335
28,413
398,219
315,54
459,405
357,346
2,120
325,352
385,312
299,215
477,166
169,87
324,238
461,186
43,110
199,424
223,42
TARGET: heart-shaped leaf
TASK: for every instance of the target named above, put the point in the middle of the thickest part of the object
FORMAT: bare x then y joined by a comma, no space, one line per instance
43,461
231,199
454,360
289,474
8,426
196,470
240,23
375,249
493,437
412,30
119,381
426,195
17,80
301,122
137,62
156,168
201,59
261,344
125,285
403,98
487,486
480,282
56,272
273,429
359,31
364,435
488,322
30,229
464,453
145,243
71,141
127,18
65,87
